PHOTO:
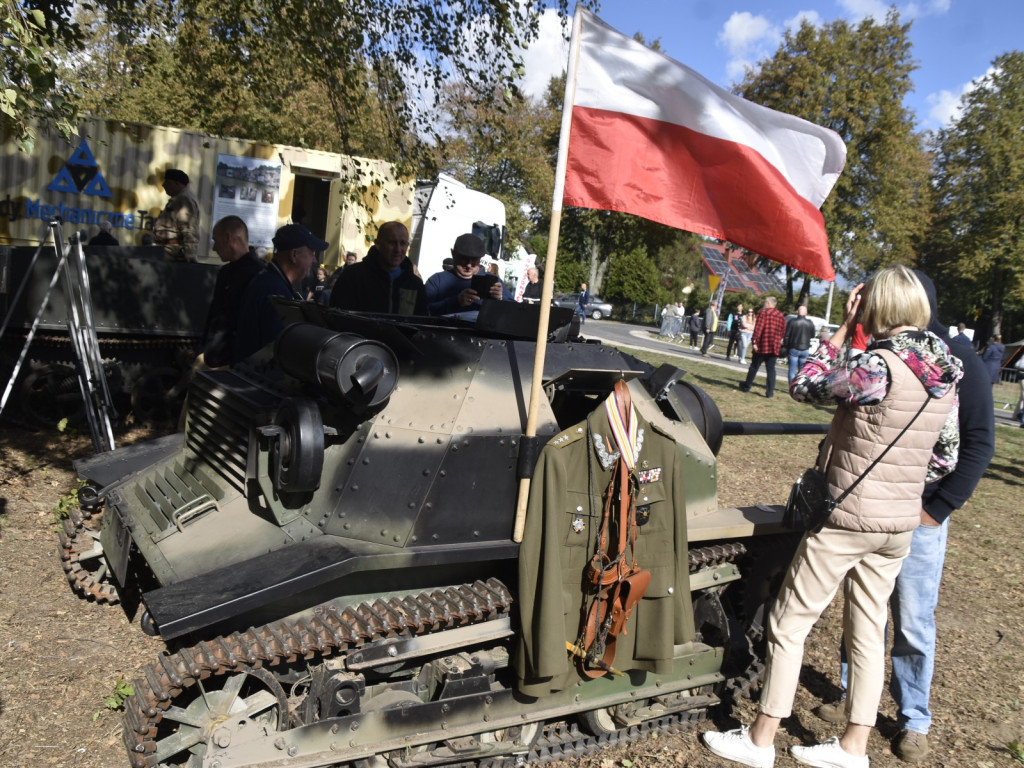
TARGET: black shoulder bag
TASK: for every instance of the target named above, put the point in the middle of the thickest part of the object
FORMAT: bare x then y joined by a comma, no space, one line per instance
810,503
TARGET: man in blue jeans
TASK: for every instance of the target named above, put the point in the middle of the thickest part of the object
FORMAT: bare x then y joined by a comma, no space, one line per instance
799,332
916,594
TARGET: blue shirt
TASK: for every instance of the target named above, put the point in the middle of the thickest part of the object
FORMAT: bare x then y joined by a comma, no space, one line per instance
443,289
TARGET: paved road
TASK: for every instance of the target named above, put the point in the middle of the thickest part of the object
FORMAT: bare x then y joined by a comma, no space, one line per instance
645,337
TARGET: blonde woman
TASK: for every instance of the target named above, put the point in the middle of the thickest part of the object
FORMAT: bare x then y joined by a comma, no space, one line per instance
878,393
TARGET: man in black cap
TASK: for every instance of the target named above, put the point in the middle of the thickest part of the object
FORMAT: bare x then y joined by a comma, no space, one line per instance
451,292
384,281
295,252
177,226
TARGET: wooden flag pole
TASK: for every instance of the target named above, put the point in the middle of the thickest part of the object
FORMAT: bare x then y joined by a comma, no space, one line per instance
536,389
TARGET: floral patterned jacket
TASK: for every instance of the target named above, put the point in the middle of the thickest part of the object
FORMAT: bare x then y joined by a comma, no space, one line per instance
862,378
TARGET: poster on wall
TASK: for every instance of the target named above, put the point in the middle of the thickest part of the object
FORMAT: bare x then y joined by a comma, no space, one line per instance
248,187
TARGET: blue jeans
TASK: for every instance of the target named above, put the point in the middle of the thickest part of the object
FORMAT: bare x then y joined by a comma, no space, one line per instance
797,358
913,604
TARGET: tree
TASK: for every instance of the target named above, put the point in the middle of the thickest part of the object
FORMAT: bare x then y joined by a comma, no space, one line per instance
632,277
362,74
499,148
35,35
976,242
853,79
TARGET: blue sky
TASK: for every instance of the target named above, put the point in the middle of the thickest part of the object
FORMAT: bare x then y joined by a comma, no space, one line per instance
954,41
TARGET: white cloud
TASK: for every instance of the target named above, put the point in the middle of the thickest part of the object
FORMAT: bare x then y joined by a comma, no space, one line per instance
811,17
744,32
943,107
547,55
747,38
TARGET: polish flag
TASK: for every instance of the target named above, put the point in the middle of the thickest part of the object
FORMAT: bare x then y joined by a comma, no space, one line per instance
653,138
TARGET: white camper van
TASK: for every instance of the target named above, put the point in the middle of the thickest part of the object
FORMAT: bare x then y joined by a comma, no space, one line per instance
443,210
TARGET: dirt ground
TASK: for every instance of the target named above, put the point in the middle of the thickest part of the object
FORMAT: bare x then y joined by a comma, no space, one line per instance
60,656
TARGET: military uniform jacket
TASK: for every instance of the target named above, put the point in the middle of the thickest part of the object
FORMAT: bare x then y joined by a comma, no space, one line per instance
563,520
177,227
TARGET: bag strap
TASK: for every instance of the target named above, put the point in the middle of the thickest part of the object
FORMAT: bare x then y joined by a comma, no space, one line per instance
871,466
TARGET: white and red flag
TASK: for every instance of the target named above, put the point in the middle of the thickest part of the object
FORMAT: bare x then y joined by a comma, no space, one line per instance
651,137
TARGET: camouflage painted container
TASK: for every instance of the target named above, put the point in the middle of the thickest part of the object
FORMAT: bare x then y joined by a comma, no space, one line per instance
114,171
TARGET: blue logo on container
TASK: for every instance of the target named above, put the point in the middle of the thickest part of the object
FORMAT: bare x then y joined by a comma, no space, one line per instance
81,174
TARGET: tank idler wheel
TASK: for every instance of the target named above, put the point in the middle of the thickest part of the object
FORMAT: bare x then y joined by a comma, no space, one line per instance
81,556
220,707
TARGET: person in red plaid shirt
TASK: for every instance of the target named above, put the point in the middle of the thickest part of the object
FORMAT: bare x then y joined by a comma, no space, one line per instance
769,329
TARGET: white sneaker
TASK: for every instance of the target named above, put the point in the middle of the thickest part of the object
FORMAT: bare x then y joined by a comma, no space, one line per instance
828,754
737,746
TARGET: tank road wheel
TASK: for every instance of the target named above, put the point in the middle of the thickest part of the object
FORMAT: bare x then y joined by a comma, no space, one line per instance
219,708
50,393
82,558
391,699
607,720
523,736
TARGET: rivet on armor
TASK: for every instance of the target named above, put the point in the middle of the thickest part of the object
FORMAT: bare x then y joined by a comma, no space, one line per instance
412,505
579,509
366,461
420,439
579,429
397,539
443,473
426,472
671,590
383,531
355,487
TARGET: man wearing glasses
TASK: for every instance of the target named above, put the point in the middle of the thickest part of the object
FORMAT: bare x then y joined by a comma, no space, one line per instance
456,291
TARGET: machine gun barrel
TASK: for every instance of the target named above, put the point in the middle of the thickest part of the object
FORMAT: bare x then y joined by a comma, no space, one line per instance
772,428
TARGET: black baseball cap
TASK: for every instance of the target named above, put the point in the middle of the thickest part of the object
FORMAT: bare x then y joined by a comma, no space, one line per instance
292,236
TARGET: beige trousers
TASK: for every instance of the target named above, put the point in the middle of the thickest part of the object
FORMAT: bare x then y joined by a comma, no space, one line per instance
869,563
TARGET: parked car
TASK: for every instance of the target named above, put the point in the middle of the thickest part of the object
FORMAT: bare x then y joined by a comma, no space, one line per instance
597,307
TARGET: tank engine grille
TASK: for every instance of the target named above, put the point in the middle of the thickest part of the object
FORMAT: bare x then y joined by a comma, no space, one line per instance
221,408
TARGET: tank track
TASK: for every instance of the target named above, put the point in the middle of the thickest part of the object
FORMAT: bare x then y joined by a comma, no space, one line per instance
78,540
331,630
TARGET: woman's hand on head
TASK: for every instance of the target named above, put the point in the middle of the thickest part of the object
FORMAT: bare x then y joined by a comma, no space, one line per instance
853,305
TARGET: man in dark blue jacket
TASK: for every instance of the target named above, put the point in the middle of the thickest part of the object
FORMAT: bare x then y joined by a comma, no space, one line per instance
295,251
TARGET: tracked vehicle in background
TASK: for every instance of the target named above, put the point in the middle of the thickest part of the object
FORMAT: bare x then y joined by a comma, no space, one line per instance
328,551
